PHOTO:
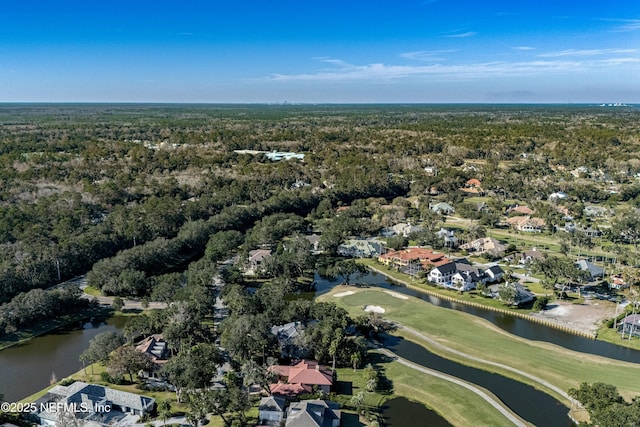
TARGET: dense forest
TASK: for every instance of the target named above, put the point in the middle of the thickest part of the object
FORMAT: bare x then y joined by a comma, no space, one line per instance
134,194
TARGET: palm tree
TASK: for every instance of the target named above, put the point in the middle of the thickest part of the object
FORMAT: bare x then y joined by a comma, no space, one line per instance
356,358
164,410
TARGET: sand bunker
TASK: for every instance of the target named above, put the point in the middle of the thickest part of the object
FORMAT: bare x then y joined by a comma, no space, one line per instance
396,295
343,294
374,308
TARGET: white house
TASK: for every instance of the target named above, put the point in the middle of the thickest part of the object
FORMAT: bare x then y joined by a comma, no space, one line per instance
95,404
463,276
271,410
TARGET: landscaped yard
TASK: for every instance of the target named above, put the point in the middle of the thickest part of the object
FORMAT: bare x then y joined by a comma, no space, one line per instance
472,335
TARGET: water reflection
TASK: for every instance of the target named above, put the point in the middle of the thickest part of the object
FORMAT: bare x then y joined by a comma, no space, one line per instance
401,412
27,368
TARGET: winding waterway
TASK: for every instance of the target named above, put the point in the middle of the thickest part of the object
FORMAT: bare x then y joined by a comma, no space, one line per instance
529,403
28,368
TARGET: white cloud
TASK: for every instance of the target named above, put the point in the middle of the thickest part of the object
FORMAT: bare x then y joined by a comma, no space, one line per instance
524,48
585,52
424,55
461,35
456,72
628,25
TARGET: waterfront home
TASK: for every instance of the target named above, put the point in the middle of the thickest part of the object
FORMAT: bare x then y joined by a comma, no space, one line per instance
360,248
313,413
412,260
630,325
301,378
91,404
463,276
156,348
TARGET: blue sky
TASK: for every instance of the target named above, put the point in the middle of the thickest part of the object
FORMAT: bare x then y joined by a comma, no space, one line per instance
320,51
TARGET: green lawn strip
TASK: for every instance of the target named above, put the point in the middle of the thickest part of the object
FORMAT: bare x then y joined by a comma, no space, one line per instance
94,292
41,328
614,337
459,406
473,335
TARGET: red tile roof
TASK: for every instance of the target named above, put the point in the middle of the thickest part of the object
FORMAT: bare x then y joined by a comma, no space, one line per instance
300,377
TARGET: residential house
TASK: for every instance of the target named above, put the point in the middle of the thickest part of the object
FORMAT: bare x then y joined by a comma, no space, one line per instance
431,170
593,270
271,411
595,211
278,155
301,378
448,236
289,338
442,274
521,294
526,223
473,186
256,258
617,282
589,231
493,274
313,413
485,244
442,208
156,348
412,260
558,195
405,229
527,257
314,240
360,248
631,325
520,210
96,405
463,276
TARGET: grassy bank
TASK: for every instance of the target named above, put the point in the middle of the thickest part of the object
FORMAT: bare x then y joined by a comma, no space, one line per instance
456,404
472,335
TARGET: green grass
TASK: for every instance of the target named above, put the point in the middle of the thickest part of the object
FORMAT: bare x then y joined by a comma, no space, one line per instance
472,335
94,292
612,336
458,405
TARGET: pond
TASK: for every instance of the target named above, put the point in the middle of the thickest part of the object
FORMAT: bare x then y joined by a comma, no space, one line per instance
515,325
401,412
28,368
